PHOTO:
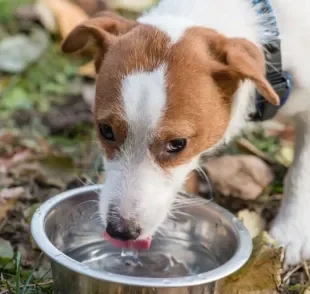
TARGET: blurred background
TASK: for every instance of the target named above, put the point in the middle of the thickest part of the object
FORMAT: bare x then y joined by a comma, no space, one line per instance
47,142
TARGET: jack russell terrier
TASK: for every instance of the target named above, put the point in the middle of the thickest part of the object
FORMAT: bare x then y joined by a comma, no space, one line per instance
182,81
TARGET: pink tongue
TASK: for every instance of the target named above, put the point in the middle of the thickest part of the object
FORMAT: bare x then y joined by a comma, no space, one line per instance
136,244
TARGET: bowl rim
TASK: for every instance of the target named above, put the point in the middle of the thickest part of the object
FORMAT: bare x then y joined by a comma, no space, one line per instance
240,257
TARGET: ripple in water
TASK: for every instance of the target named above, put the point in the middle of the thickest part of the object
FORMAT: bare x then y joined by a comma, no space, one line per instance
177,258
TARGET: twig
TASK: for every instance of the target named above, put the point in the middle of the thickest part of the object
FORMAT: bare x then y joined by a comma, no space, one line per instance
306,268
245,144
290,273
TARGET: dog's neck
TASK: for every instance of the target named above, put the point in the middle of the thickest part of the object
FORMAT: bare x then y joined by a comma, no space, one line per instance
233,18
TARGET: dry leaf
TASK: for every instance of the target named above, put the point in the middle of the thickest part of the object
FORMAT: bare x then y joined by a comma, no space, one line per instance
17,158
286,155
54,171
11,193
260,275
88,70
92,6
131,5
68,14
8,198
253,221
46,16
243,176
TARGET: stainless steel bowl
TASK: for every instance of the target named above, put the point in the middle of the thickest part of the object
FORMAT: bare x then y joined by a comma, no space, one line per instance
212,242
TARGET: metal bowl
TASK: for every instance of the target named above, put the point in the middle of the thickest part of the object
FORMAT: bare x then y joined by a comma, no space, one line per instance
207,237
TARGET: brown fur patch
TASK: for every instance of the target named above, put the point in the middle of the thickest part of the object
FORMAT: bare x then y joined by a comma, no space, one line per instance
204,71
193,99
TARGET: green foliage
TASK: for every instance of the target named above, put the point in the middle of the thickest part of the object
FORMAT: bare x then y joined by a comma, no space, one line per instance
16,280
7,13
54,74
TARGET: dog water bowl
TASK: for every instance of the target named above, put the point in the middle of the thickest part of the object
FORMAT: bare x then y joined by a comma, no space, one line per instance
196,247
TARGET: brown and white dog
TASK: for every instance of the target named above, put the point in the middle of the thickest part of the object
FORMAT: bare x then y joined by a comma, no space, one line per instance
179,83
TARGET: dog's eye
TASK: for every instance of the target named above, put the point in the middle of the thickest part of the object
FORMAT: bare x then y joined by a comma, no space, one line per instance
106,132
176,145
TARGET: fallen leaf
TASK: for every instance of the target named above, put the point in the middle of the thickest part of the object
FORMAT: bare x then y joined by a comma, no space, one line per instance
8,199
51,170
253,221
9,205
7,137
68,14
19,51
285,155
131,5
14,160
11,193
92,6
6,251
243,176
88,70
261,274
46,16
5,181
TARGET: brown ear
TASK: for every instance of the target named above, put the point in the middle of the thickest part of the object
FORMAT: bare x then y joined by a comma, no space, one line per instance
104,29
244,60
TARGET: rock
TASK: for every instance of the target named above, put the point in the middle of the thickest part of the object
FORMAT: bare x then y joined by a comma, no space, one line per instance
243,176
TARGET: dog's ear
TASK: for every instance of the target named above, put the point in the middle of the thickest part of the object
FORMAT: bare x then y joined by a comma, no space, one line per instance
240,59
103,29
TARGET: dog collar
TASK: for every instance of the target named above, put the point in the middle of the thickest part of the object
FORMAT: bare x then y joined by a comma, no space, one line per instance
280,80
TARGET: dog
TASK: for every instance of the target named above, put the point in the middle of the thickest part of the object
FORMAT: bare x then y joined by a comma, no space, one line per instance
179,83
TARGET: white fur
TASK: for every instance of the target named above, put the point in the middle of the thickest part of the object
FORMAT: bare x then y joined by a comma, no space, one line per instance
144,97
291,227
134,177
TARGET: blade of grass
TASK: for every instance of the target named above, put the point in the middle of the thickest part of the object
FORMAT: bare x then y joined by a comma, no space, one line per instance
31,274
42,278
18,265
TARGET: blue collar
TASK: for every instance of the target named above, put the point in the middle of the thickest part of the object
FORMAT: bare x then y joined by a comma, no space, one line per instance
280,81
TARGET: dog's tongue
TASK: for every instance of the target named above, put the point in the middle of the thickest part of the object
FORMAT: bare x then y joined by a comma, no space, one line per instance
135,244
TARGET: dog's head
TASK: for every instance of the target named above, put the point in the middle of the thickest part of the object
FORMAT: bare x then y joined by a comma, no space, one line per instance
159,105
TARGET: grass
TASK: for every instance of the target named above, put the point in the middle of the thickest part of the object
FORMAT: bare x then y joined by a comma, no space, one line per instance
38,86
16,280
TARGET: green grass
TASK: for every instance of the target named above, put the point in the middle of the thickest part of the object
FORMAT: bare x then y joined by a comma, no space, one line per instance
53,75
16,280
7,13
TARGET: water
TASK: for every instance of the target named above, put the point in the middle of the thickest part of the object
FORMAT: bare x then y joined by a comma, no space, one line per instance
167,258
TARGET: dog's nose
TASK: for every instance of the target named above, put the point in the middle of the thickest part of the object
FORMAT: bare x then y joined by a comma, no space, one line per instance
125,231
